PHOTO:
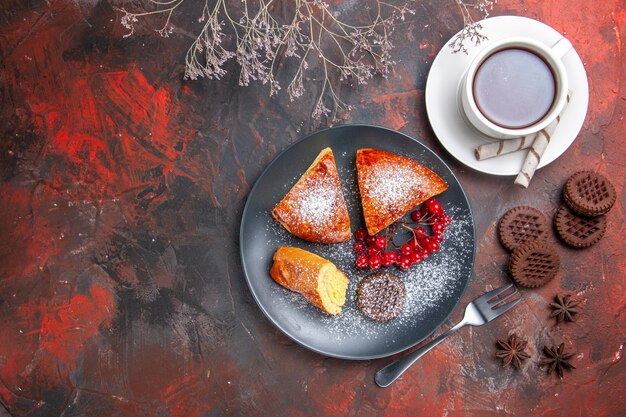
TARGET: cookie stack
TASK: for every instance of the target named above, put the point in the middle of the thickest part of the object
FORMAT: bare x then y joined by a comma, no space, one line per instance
534,262
581,221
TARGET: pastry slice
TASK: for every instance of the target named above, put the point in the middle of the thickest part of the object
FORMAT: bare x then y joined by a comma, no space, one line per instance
391,185
314,208
316,278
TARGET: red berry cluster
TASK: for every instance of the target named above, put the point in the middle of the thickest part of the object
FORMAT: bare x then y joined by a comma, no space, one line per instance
381,251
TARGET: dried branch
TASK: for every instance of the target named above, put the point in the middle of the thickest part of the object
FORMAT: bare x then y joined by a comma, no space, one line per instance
471,29
251,33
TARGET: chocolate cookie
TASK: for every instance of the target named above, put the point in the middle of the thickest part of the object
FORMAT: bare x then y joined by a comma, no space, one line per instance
381,296
522,224
533,264
578,231
589,193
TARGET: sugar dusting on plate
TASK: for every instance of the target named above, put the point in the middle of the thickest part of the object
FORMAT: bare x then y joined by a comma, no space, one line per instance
428,283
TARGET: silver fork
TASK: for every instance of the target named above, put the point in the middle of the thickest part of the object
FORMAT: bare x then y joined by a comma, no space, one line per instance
480,311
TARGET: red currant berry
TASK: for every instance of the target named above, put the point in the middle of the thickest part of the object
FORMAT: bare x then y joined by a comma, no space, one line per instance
358,246
390,257
430,201
376,262
433,246
381,242
416,245
406,249
370,240
419,232
424,211
445,220
416,215
373,251
435,208
415,257
362,261
360,234
437,237
437,228
425,253
404,263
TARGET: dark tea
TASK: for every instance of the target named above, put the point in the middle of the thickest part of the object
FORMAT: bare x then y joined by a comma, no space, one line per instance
514,88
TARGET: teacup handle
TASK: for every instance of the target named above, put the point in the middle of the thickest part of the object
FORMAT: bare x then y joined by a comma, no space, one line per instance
562,47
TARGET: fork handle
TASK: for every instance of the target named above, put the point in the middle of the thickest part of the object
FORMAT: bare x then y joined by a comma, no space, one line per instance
391,372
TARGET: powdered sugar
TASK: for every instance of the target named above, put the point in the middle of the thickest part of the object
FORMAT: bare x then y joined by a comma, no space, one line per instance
316,204
392,185
428,284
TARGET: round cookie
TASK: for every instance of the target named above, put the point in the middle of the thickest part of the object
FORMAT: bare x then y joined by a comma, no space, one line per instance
578,231
520,225
533,264
589,193
381,296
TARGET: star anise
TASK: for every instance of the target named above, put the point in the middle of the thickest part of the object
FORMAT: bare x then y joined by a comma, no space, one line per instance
564,308
557,359
512,351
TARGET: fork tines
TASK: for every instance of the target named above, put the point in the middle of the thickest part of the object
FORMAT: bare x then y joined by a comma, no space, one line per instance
498,296
501,299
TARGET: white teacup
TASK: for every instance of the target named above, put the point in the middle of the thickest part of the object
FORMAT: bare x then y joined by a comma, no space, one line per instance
502,100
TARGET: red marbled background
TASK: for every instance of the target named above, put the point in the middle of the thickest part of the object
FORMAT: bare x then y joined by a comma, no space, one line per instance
121,190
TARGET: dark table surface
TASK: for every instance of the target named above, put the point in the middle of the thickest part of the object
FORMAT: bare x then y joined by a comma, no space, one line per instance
121,193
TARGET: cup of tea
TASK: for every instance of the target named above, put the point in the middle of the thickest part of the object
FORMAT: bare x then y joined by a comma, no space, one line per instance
515,87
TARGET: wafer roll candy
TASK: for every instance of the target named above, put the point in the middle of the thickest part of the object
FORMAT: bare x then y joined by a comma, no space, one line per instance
537,149
506,146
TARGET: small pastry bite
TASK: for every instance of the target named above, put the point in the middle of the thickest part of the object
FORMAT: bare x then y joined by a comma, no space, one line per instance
391,185
381,296
314,209
316,278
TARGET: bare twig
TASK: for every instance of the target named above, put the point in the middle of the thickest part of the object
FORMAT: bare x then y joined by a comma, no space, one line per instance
250,33
471,29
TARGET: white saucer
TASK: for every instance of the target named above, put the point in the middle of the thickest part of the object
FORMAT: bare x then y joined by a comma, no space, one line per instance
450,126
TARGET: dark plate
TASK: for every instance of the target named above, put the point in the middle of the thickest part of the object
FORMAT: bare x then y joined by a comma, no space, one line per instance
434,286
